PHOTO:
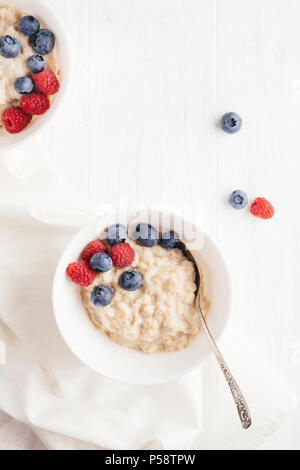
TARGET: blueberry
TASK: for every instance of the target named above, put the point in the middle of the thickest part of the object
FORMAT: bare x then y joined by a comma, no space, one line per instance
24,85
101,263
102,296
146,235
131,280
36,63
44,42
238,199
116,234
170,240
9,47
29,25
231,123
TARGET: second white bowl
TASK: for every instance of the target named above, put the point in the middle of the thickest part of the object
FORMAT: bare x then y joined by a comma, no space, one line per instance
45,15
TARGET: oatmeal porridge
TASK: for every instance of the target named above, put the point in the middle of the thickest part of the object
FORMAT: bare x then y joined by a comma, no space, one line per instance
22,59
149,307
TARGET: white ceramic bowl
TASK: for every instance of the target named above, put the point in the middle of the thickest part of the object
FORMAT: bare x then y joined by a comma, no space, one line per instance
45,15
122,364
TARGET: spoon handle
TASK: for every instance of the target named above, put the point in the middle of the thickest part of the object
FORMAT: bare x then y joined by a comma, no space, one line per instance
241,404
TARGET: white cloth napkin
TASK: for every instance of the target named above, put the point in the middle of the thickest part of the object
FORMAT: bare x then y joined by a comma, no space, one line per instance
71,407
17,436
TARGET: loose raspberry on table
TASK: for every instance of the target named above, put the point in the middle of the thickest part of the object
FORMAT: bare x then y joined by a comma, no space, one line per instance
122,255
92,249
81,274
35,103
262,208
15,120
46,81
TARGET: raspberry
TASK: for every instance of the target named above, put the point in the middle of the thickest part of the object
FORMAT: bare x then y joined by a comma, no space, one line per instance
15,120
35,103
122,255
46,81
91,249
262,208
81,274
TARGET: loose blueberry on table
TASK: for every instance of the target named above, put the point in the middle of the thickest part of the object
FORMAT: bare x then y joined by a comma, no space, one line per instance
238,200
41,80
231,123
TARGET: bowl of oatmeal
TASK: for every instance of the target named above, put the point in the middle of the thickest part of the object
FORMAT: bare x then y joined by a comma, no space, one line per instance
124,297
34,68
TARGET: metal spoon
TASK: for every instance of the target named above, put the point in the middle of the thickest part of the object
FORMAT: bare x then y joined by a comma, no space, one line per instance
241,404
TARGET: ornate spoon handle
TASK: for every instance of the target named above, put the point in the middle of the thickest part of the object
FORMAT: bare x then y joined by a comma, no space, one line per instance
241,404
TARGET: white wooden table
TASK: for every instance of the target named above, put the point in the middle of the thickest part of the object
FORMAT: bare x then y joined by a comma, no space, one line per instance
150,80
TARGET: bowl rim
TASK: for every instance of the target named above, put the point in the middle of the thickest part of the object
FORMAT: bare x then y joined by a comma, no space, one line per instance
171,377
